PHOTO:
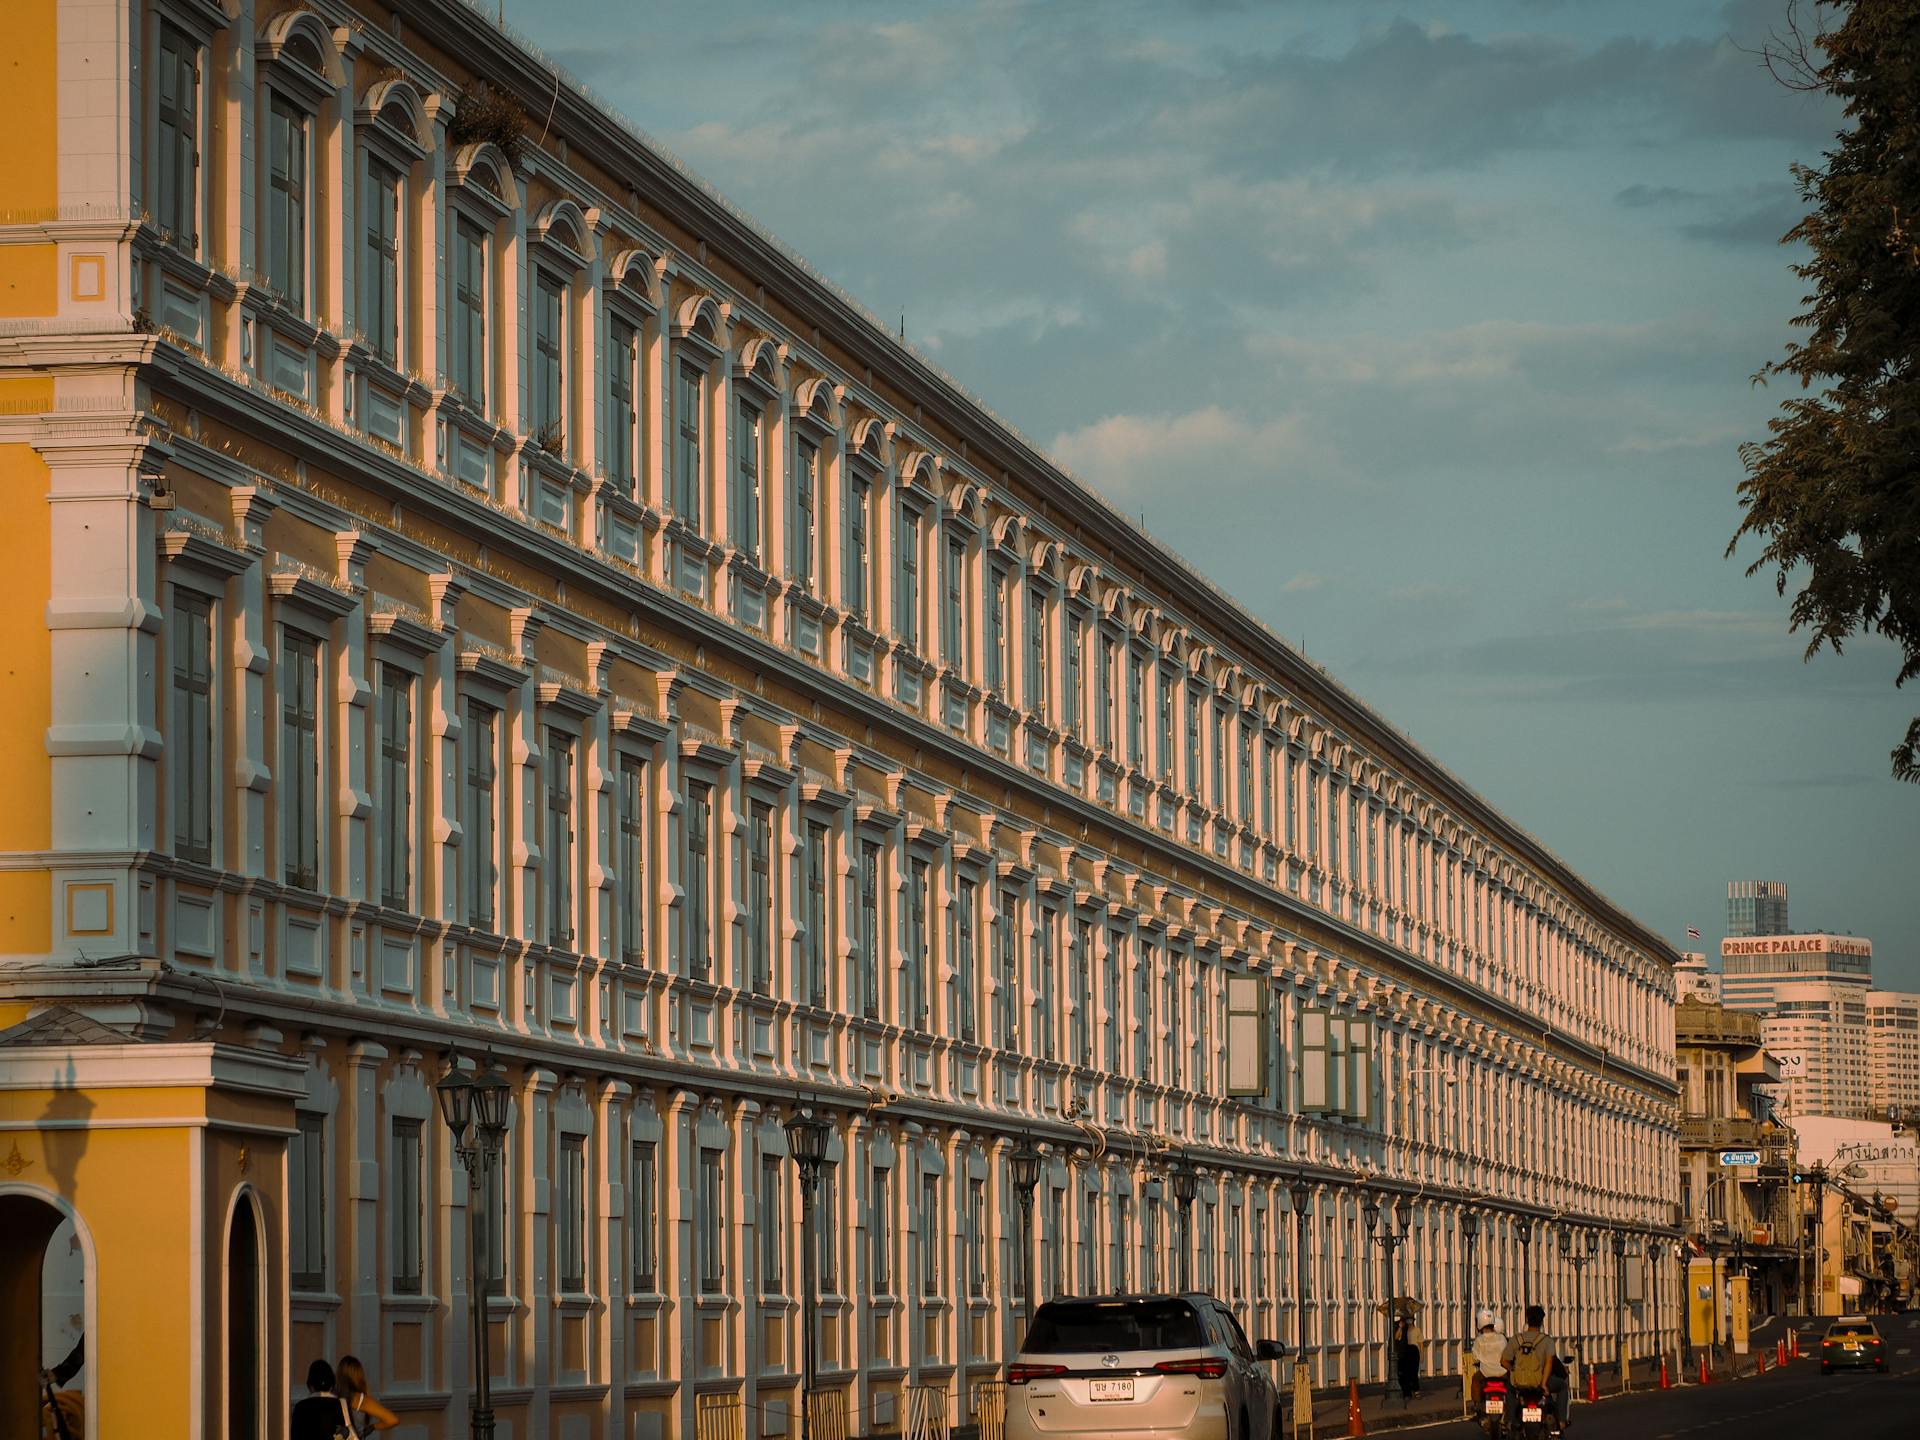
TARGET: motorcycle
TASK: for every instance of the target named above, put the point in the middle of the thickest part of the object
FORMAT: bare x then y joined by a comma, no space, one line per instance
1493,1406
1534,1417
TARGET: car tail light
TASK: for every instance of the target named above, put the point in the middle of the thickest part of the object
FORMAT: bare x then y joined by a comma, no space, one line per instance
1021,1374
1208,1369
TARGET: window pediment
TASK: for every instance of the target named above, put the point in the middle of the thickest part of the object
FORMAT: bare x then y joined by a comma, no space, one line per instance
561,235
298,57
816,406
756,369
700,322
482,175
634,278
393,120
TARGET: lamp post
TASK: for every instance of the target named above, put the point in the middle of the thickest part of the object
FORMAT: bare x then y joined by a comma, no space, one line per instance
1301,1193
1523,1230
1713,1277
1620,1302
475,1109
1390,1241
1186,1182
1683,1322
1653,1252
807,1143
1469,1232
1023,1166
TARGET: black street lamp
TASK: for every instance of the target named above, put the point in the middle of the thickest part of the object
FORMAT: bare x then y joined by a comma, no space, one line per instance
1653,1252
475,1108
1469,1232
1390,1241
1301,1193
807,1143
1683,1322
1523,1230
1023,1166
1186,1183
1620,1302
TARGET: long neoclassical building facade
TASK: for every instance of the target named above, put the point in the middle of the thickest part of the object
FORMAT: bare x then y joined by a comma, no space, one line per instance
468,591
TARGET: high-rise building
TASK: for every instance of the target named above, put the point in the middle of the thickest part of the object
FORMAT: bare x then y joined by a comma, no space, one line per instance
1692,980
1756,907
1752,969
1893,1052
1817,1030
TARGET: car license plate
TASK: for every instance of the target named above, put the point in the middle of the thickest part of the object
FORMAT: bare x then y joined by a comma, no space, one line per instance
1853,1347
1110,1389
1530,1414
1496,1407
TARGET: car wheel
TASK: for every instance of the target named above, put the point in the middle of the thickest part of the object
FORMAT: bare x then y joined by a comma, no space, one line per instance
1826,1369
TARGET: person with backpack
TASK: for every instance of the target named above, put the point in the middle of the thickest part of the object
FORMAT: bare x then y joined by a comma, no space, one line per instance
1529,1357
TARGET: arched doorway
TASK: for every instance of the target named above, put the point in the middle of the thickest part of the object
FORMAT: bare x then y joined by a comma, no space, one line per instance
246,1375
43,1308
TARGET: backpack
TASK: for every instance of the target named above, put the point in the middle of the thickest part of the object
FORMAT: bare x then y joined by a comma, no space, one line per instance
1531,1359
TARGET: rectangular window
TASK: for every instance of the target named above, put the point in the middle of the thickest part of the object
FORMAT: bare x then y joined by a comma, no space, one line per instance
686,446
1259,1253
1112,993
176,206
559,858
468,321
998,639
1046,1026
771,1198
1122,1244
1163,741
906,596
1151,1245
1073,700
396,787
299,759
1266,788
1142,1008
859,558
632,879
759,916
403,1207
932,1220
818,940
1054,1243
1246,773
287,202
1006,960
643,1218
696,877
867,931
1107,692
977,1239
380,259
953,603
1217,791
190,741
1191,776
1136,709
880,1234
743,498
623,404
966,959
1080,994
480,813
828,1228
806,511
1089,1233
1037,678
307,1201
712,1222
914,979
570,1213
549,356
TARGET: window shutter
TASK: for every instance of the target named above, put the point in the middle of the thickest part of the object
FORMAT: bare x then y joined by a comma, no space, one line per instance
1246,1035
1313,1061
1337,1065
1360,1067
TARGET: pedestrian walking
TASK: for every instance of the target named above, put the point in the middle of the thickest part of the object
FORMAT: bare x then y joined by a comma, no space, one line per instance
364,1413
1406,1353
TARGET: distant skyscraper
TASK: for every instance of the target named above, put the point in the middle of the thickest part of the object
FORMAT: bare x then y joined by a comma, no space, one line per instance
1893,1051
1753,968
1817,1030
1757,907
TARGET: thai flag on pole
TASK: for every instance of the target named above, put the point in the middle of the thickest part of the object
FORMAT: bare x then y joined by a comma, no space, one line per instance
1692,933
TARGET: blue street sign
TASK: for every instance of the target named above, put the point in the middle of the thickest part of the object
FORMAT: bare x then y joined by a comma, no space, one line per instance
1739,1157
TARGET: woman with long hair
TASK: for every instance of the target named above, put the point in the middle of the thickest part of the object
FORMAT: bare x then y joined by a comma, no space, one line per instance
366,1413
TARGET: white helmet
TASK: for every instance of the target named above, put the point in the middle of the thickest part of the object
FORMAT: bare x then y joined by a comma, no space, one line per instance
1486,1319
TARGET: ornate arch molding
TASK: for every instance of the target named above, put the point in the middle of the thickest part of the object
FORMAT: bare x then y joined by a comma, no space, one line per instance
871,439
760,363
634,276
817,401
393,114
700,320
1048,558
563,232
300,40
481,169
920,470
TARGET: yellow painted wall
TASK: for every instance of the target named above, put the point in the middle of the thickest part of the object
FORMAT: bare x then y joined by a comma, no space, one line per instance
26,673
29,117
25,394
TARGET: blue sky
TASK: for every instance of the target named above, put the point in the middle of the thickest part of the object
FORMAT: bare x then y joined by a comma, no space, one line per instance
1458,304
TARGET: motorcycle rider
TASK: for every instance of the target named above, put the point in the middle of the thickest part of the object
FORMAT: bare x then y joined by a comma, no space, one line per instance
1489,1350
1529,1357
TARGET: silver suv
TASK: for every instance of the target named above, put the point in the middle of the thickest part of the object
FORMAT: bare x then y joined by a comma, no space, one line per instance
1146,1367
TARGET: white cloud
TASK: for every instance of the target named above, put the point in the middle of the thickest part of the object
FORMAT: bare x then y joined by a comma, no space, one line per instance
1137,457
1303,582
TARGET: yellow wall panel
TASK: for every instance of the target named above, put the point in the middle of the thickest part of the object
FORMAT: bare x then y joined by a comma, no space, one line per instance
29,117
29,280
26,663
25,394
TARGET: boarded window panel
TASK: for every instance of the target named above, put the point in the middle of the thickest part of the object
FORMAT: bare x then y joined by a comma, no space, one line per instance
1313,1061
1336,1066
1246,1035
1360,1070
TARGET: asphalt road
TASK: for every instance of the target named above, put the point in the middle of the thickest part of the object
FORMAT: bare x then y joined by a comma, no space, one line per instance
1798,1403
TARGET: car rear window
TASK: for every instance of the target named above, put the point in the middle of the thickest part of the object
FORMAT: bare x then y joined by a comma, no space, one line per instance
1064,1327
1851,1330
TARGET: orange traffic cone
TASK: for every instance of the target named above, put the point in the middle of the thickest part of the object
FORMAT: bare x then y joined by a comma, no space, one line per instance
1355,1425
1780,1351
1759,1362
1706,1375
1793,1344
1666,1382
1593,1387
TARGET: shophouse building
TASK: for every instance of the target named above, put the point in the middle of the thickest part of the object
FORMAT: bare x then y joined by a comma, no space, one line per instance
472,592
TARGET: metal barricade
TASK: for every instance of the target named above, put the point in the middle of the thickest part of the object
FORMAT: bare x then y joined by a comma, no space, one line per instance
926,1412
990,1409
827,1414
719,1417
